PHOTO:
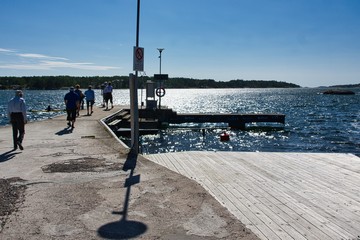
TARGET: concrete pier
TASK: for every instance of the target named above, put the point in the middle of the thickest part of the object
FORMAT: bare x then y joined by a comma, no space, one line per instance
83,184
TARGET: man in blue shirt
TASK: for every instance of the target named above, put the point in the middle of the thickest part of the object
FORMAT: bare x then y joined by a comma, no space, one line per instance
90,99
72,102
17,115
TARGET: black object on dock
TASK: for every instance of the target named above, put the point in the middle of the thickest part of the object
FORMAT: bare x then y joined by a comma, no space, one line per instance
151,120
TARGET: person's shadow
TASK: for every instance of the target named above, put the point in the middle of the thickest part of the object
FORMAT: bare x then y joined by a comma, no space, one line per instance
125,229
6,156
64,131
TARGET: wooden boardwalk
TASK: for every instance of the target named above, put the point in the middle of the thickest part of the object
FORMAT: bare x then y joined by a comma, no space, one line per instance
280,195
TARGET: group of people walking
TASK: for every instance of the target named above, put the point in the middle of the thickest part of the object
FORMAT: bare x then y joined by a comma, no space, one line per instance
74,101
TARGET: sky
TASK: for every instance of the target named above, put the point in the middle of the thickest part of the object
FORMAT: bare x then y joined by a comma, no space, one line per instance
306,42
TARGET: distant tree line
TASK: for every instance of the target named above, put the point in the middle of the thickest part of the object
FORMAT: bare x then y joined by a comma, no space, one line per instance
346,86
239,83
59,82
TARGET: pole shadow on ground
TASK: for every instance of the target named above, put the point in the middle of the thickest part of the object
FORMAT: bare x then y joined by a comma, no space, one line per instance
125,229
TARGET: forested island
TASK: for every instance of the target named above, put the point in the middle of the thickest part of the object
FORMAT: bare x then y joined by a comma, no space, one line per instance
346,86
60,82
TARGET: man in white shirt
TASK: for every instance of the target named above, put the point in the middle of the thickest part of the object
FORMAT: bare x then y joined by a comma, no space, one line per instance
108,95
17,115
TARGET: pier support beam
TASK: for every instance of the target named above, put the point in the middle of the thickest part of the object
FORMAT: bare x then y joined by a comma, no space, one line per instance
237,125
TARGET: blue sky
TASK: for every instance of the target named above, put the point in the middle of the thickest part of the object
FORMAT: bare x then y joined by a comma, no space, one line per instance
306,42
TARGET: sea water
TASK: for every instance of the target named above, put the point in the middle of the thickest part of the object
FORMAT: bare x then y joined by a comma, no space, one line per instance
314,122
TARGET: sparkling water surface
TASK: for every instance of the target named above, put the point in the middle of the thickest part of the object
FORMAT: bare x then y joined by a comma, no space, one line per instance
314,122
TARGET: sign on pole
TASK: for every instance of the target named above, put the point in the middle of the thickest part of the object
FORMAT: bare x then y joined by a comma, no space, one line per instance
138,59
161,76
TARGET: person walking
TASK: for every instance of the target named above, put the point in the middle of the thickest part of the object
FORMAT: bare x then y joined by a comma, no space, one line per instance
90,99
82,96
108,95
72,102
18,119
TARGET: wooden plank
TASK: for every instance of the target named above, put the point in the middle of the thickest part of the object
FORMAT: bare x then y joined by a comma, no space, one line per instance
178,166
123,113
282,195
299,209
243,214
303,178
314,202
162,160
249,187
254,221
321,200
260,218
332,200
207,182
321,178
114,122
165,160
329,172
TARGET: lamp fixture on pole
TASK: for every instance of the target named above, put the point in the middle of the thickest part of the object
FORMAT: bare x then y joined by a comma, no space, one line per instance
160,51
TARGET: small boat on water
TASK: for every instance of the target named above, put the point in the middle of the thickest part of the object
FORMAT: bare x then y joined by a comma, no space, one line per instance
339,92
224,137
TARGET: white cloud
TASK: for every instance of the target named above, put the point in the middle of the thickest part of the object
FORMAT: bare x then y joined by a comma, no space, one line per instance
44,62
83,66
24,67
6,50
39,56
48,65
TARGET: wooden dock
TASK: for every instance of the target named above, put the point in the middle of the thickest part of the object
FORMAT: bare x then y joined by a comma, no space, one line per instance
280,195
161,118
234,120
